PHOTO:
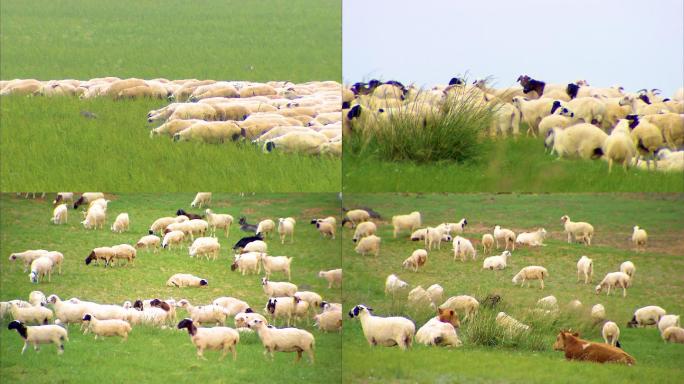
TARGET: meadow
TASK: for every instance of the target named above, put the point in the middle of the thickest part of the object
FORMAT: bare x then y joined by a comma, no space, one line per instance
152,354
488,356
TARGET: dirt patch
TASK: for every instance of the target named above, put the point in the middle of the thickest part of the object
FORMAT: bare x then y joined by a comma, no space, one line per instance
312,213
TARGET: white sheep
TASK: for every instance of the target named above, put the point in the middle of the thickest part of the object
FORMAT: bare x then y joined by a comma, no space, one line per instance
38,315
42,334
60,214
121,223
277,264
548,302
575,305
577,231
313,298
284,339
255,246
411,222
562,117
639,237
667,321
57,260
435,291
101,253
417,259
356,216
232,305
333,276
202,198
248,262
496,262
283,307
588,109
275,288
418,297
326,229
487,243
648,139
159,225
394,284
205,246
369,244
532,111
463,248
510,324
580,140
37,298
66,311
285,228
649,315
186,280
242,320
149,241
27,257
628,268
529,273
384,331
674,335
125,252
63,197
219,221
95,218
218,338
307,142
205,314
585,266
614,279
329,321
364,229
436,235
533,239
464,303
111,327
437,332
619,146
598,313
504,235
265,227
40,268
173,237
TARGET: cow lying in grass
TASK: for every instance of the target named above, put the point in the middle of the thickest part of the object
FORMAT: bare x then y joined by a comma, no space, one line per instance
580,349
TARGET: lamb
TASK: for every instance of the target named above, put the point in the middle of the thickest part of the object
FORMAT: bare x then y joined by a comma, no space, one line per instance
255,246
202,198
369,244
580,140
411,222
385,331
364,229
533,239
102,328
326,229
41,267
577,231
463,248
611,333
667,321
186,280
628,268
440,330
417,259
277,264
454,228
205,314
585,266
247,262
125,252
496,262
149,241
356,216
436,235
598,313
205,246
648,315
619,146
467,304
530,273
38,315
101,202
42,334
121,223
63,197
219,338
674,335
219,221
333,276
394,284
510,324
329,321
274,288
487,243
95,217
27,256
639,237
60,214
284,339
285,228
504,235
614,279
232,305
265,227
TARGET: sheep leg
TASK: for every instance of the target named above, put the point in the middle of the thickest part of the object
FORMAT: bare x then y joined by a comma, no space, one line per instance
200,353
578,276
542,284
25,346
299,356
394,233
569,237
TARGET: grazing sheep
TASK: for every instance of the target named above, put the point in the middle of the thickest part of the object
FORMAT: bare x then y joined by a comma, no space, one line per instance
42,334
369,244
598,313
639,237
88,197
219,221
439,330
394,284
95,218
667,321
581,140
27,256
585,266
149,241
561,117
40,268
487,243
172,127
410,222
277,264
496,262
186,280
419,298
333,276
285,228
575,305
648,315
102,328
611,333
38,315
549,302
205,246
467,304
417,259
255,246
63,197
673,335
60,214
577,231
530,273
205,314
533,239
218,338
510,324
247,262
356,216
384,331
614,279
202,198
329,321
284,339
308,142
173,237
326,229
125,252
265,227
160,225
435,291
121,223
364,229
463,248
504,235
274,288
101,253
628,268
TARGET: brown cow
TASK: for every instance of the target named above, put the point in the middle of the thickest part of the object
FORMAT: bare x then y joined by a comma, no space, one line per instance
580,349
447,315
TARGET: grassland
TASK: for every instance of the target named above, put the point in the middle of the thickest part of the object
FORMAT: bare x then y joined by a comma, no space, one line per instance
510,165
658,281
150,354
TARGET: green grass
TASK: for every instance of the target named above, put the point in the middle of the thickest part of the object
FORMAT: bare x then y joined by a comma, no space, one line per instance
155,355
296,40
46,142
488,357
511,165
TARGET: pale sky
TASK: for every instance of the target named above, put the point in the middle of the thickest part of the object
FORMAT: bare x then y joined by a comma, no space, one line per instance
633,43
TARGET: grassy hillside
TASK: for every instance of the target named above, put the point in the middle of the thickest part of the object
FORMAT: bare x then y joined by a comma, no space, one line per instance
527,359
150,354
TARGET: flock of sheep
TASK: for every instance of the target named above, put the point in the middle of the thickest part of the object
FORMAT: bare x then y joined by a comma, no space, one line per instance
198,234
442,329
279,115
576,120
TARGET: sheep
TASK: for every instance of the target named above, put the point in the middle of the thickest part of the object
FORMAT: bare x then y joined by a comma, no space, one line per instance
60,214
385,331
614,279
87,197
496,262
329,220
674,335
329,321
440,330
628,268
648,315
125,252
394,284
532,111
57,259
255,246
285,228
242,320
530,273
333,276
598,313
562,117
667,321
101,202
364,229
356,216
41,267
219,338
27,256
574,305
435,291
284,307
577,231
159,225
202,198
66,311
42,334
173,127
273,288
247,262
265,227
37,298
63,197
326,229
467,304
121,223
487,243
504,235
671,125
417,259
38,315
588,109
186,280
585,266
369,244
436,235
308,142
647,137
149,241
313,298
277,264
95,217
195,227
454,228
463,248
580,140
510,324
639,237
205,314
411,222
549,302
232,305
219,221
102,328
205,246
284,340
506,118
619,147
216,132
533,239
